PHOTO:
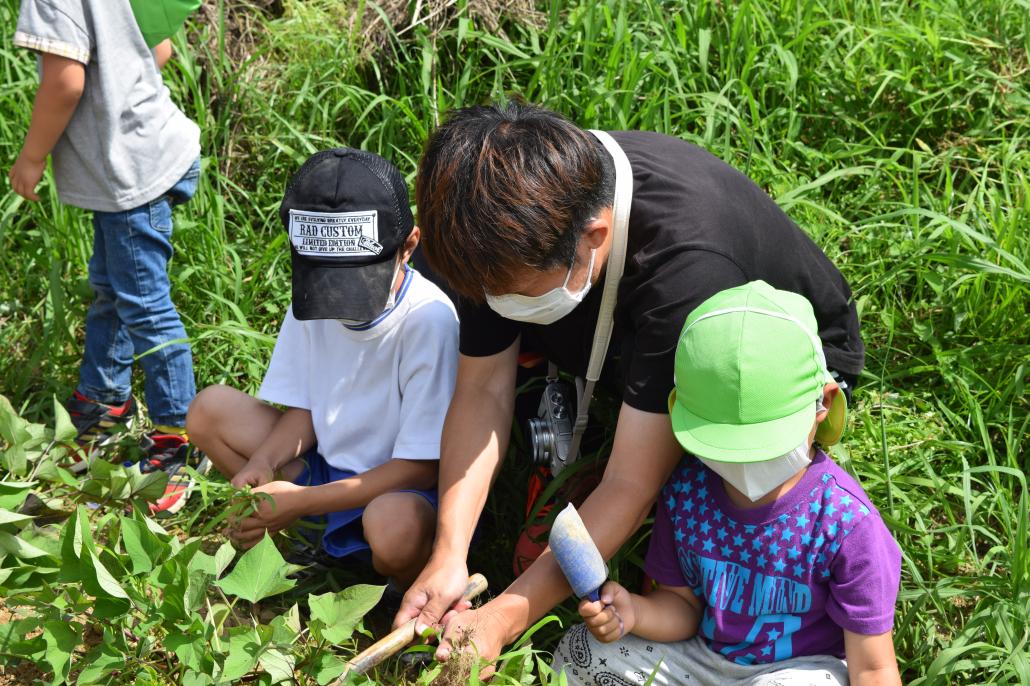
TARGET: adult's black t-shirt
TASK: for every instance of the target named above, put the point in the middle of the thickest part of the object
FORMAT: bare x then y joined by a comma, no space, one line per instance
697,226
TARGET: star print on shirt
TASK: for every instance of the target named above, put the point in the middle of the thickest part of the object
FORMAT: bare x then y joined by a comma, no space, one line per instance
708,545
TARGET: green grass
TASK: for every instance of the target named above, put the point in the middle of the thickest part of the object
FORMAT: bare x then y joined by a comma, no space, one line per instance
895,133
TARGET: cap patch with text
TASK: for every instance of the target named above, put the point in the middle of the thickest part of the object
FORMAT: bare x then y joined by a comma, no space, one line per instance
346,213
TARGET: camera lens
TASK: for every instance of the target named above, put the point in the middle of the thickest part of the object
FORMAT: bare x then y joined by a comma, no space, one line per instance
541,441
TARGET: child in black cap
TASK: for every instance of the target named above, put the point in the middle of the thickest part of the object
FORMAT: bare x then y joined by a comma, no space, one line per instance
364,366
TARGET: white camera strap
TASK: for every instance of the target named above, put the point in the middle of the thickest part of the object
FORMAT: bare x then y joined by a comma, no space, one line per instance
613,274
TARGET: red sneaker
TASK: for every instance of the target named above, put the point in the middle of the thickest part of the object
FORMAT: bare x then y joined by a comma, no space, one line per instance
93,422
171,453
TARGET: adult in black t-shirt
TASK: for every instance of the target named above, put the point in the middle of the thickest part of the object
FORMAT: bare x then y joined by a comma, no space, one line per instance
514,204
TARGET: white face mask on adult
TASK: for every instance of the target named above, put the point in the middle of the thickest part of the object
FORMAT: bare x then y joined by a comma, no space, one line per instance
758,479
542,309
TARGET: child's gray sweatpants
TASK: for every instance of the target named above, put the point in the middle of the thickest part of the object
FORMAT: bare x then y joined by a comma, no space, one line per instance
631,661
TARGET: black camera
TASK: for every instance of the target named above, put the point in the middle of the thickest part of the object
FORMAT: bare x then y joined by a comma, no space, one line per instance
550,432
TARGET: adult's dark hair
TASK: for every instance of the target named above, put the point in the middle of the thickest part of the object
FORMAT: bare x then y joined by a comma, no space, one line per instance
504,187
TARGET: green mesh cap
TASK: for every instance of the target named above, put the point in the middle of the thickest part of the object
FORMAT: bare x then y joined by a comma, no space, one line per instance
749,368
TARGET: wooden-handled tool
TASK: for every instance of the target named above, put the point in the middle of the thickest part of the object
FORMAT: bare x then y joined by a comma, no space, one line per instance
401,636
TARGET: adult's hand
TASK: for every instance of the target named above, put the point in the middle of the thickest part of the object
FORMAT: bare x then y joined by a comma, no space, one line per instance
481,630
435,595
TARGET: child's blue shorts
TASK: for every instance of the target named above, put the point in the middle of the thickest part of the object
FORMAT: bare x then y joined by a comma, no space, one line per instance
343,533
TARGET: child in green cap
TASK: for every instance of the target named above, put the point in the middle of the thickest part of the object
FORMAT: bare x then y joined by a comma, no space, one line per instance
772,565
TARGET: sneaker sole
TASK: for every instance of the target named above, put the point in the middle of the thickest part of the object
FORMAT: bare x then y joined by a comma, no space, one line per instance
181,496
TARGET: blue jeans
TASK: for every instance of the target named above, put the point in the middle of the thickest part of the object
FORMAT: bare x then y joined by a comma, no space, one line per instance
133,313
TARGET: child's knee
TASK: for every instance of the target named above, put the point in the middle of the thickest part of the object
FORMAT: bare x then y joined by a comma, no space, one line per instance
205,410
398,528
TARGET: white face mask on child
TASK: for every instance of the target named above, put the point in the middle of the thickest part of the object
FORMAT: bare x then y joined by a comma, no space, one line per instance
757,479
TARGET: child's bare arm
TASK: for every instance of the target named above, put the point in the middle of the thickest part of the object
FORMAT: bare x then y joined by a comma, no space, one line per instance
670,613
59,92
163,52
293,502
871,660
290,438
360,490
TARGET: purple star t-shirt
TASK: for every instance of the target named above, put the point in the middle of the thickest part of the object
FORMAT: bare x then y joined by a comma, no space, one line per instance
781,580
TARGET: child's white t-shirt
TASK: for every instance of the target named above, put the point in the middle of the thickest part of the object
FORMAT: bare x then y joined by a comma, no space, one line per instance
377,393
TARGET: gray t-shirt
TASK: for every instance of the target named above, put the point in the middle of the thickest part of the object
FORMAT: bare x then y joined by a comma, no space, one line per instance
127,142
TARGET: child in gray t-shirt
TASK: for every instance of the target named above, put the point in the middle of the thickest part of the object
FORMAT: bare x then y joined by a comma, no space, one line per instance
121,148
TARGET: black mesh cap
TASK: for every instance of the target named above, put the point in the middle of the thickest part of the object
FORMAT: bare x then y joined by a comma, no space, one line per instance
346,213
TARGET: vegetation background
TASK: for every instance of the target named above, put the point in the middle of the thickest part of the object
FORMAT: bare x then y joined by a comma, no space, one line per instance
895,133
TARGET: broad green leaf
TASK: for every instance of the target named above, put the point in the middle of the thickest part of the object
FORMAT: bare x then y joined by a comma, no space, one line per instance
144,548
110,608
286,627
61,639
260,573
193,678
213,564
100,662
105,580
13,639
64,430
150,486
191,649
327,667
13,493
139,546
244,650
8,517
338,613
278,664
19,548
13,429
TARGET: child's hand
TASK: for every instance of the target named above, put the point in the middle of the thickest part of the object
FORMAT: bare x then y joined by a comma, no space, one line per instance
285,506
254,474
25,176
612,617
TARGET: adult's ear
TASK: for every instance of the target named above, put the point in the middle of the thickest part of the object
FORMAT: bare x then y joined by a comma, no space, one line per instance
597,230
